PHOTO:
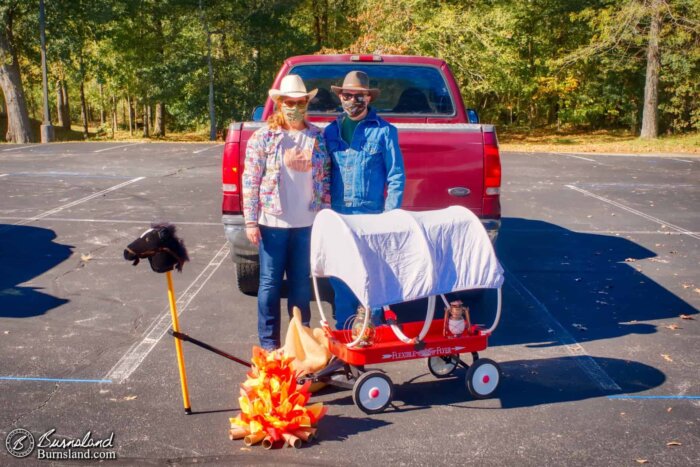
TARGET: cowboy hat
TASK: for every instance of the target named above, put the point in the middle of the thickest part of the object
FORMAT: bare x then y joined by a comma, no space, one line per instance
292,86
356,81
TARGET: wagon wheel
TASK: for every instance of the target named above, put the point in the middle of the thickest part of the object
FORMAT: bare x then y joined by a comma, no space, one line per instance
482,378
443,366
373,392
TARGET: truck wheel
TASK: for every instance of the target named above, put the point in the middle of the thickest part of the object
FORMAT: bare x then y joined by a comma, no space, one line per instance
248,278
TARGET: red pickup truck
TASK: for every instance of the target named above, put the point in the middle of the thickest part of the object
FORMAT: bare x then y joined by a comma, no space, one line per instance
449,157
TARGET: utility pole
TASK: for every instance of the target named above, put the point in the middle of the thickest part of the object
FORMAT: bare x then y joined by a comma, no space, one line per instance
47,134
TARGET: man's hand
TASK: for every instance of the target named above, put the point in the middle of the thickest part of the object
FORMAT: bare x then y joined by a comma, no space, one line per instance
253,234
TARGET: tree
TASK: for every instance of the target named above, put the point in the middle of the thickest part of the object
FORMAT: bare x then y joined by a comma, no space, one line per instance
18,129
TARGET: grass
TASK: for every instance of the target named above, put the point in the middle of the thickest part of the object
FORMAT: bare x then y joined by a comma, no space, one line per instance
76,134
600,141
540,140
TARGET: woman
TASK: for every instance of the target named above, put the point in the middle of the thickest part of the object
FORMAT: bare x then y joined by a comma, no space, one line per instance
286,180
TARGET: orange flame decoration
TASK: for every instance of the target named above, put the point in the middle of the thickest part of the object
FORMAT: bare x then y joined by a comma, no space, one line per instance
273,406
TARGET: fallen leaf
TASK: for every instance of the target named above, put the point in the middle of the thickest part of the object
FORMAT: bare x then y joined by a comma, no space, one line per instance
669,409
130,398
667,357
580,327
696,290
674,443
245,449
86,258
630,260
657,260
687,286
673,326
686,317
642,461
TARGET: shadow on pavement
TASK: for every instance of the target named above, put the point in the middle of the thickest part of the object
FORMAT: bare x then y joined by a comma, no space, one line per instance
583,278
339,428
527,383
25,253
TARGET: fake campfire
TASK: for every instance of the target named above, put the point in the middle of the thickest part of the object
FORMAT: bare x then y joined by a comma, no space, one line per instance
273,405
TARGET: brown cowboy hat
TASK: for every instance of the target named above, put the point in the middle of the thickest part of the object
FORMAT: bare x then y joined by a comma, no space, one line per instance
356,81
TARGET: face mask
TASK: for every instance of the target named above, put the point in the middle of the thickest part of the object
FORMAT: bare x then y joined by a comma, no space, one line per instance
294,114
354,108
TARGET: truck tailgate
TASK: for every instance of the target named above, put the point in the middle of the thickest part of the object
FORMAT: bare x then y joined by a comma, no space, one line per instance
439,158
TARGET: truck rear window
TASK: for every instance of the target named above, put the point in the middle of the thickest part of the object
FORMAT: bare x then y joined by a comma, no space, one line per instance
405,89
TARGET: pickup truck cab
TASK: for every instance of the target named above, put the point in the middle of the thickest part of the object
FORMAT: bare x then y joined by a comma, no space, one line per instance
449,158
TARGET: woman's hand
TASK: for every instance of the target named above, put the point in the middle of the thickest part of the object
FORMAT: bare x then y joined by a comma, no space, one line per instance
253,234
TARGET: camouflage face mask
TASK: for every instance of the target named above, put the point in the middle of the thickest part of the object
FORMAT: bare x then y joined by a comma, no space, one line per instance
353,107
294,114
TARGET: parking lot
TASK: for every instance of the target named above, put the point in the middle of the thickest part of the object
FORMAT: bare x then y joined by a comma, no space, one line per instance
599,342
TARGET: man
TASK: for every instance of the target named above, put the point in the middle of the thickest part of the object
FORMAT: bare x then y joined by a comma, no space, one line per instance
366,163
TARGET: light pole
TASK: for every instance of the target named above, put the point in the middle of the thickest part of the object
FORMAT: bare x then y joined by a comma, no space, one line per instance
46,127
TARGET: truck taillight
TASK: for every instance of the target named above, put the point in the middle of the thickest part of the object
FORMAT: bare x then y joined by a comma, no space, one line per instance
492,169
230,174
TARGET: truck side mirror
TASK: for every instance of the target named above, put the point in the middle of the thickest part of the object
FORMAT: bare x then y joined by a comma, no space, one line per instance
472,116
257,113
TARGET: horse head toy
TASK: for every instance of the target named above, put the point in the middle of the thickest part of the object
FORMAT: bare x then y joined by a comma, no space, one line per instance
161,246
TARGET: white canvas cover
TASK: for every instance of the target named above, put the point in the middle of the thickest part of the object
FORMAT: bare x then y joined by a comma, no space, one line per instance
400,255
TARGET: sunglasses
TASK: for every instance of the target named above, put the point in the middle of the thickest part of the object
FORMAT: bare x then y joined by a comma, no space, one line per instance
346,96
299,103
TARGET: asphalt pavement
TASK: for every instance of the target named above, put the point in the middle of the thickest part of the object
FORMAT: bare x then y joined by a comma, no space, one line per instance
599,342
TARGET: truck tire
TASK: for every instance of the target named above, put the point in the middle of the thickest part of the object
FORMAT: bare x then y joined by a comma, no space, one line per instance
248,278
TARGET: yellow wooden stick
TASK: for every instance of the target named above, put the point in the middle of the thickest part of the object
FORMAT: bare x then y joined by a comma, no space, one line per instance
178,345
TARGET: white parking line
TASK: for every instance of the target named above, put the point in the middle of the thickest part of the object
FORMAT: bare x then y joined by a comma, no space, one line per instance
585,361
681,160
116,221
138,352
117,147
69,205
634,211
206,149
577,157
15,149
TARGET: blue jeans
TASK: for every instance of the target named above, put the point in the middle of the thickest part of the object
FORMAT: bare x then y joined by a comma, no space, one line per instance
282,250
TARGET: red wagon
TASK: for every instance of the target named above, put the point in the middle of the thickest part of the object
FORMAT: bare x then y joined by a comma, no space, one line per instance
395,257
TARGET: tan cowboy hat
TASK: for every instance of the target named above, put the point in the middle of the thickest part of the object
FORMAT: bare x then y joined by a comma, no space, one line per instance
292,86
356,81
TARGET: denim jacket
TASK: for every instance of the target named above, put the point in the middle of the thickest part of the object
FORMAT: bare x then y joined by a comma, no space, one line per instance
361,172
261,173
